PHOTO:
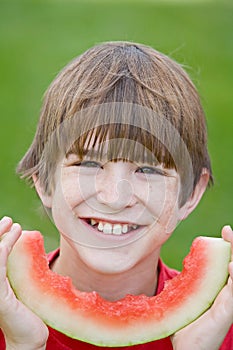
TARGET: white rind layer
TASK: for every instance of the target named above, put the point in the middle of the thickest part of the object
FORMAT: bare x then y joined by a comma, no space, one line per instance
57,313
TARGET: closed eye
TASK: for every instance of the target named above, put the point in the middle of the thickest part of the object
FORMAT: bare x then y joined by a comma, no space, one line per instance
89,164
147,170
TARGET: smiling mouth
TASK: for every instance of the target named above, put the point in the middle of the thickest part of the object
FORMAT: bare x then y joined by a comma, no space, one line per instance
109,228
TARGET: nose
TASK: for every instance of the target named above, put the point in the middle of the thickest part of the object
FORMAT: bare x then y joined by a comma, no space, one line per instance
114,188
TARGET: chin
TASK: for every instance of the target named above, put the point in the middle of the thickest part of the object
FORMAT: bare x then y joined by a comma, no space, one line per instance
107,262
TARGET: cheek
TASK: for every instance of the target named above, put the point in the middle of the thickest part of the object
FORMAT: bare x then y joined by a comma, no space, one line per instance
150,192
163,199
156,196
86,185
169,217
75,187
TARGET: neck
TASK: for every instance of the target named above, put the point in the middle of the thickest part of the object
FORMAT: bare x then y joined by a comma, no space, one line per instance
139,279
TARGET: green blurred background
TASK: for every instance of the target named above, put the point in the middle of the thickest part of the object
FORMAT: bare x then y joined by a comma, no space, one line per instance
37,38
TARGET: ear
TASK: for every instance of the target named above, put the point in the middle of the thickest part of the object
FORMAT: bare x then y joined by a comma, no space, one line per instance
196,195
45,198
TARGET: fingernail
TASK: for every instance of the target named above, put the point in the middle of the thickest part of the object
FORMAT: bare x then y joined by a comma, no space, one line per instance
5,219
16,226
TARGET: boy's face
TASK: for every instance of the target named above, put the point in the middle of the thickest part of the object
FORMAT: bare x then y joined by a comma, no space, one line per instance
114,214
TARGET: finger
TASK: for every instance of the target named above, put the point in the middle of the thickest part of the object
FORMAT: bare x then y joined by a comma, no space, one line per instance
230,280
227,233
6,244
8,239
5,225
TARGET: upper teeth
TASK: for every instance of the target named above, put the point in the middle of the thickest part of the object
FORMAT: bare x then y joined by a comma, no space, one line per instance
116,229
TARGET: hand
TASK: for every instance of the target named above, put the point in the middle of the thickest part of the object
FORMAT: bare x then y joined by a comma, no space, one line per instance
209,330
21,327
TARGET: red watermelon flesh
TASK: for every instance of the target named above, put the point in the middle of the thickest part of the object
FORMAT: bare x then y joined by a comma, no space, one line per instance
131,320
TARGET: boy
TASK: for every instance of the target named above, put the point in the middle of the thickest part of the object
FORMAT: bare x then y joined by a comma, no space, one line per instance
119,158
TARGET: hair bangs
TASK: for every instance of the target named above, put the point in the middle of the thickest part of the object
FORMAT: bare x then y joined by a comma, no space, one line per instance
121,131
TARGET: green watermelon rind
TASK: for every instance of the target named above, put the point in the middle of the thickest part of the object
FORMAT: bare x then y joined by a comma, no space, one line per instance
97,330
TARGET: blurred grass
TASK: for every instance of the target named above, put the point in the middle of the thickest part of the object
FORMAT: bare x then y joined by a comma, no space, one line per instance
37,38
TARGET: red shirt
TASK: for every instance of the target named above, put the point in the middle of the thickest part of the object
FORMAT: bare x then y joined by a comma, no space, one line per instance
59,341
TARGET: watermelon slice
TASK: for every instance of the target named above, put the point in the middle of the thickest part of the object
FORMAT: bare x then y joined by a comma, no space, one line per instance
131,320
